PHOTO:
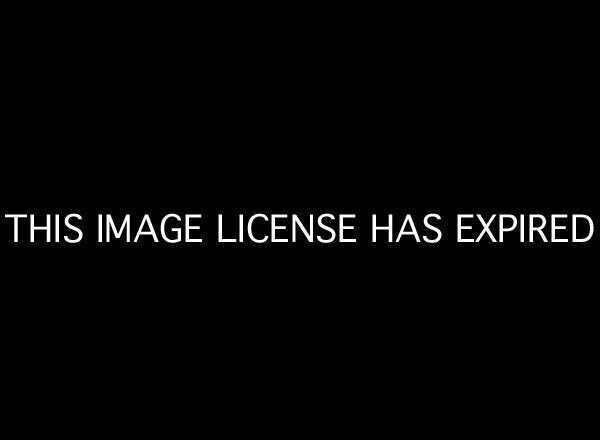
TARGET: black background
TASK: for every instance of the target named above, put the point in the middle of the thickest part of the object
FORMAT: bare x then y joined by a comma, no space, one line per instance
381,113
